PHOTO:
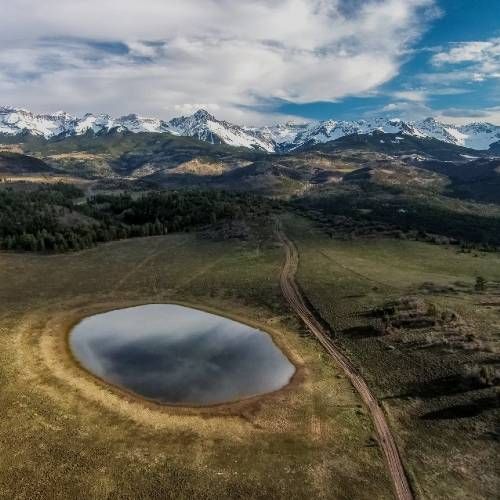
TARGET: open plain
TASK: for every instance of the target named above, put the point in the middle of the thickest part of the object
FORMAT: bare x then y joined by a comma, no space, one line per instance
65,434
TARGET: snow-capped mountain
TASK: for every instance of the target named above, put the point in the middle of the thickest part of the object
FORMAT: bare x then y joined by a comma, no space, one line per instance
474,135
277,138
135,123
471,135
202,125
331,130
91,123
283,135
16,121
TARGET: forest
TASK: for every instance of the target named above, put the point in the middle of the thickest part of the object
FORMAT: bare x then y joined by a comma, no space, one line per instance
382,209
59,218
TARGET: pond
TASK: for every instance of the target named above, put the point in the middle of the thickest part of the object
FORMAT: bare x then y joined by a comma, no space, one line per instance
177,355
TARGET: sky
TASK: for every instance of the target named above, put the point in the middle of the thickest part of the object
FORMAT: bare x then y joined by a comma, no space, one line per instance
254,61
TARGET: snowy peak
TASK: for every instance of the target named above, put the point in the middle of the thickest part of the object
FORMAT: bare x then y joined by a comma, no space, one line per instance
276,138
204,115
16,121
205,127
282,135
136,124
91,123
475,136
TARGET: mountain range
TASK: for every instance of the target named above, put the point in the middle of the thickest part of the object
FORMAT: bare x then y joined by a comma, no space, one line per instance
272,139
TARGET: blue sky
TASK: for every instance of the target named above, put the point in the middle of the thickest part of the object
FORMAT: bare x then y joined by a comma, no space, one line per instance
254,61
459,21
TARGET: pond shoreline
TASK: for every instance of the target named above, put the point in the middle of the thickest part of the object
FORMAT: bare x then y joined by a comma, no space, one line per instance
180,356
61,352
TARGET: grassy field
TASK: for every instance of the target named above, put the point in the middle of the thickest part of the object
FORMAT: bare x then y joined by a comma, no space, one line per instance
65,435
443,416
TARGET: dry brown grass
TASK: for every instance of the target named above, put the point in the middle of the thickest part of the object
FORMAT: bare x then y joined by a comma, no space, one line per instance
65,434
11,148
78,155
199,167
10,179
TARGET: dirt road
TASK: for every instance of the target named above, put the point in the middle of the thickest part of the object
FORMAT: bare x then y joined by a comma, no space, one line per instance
386,440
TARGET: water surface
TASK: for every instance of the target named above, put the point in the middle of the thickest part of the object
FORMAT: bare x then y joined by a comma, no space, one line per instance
178,355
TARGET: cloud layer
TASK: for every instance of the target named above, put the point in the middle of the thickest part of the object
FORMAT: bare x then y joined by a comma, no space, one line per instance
236,58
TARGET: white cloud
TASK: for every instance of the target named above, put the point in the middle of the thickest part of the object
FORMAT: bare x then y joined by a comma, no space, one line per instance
422,95
411,95
406,110
159,57
416,110
462,116
469,52
477,61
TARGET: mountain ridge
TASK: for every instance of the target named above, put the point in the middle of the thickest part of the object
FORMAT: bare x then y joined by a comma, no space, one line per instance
272,139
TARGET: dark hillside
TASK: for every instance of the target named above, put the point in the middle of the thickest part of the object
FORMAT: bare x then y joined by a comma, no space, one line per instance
15,163
477,180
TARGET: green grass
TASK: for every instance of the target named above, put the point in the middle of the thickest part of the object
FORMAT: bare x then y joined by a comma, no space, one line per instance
408,369
63,435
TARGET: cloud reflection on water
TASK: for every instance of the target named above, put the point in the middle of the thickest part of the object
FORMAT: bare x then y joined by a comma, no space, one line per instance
179,355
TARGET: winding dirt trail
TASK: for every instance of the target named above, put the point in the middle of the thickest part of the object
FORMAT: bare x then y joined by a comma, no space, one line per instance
292,293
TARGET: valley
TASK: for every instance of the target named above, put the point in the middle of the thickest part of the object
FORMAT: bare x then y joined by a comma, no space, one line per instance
250,250
313,436
397,263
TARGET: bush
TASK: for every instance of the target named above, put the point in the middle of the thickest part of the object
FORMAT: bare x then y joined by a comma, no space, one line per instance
480,284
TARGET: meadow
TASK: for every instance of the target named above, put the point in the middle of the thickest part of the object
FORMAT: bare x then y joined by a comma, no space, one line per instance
64,434
443,414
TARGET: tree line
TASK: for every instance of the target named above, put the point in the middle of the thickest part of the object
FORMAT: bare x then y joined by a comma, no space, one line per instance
372,206
58,218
